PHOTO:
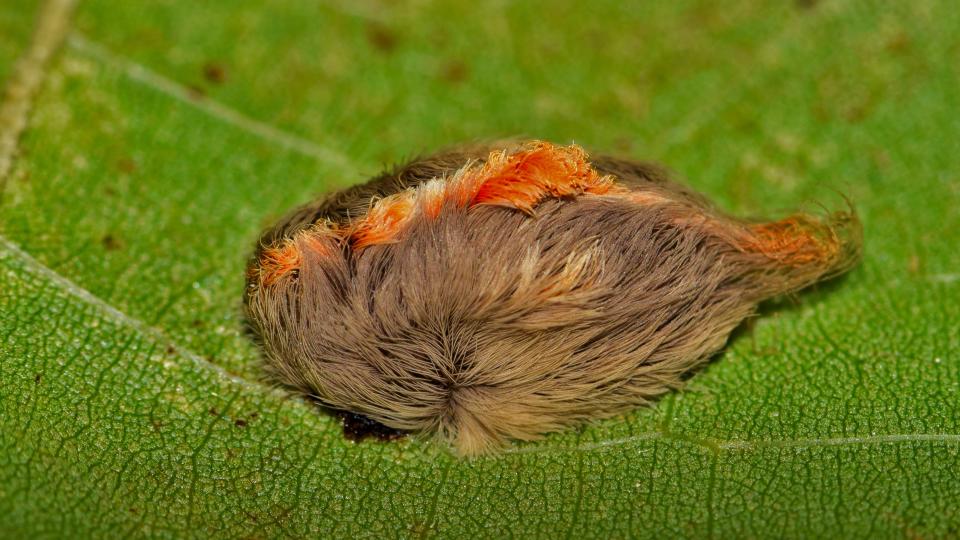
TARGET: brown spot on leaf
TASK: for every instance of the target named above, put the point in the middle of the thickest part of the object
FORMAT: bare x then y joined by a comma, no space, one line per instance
455,72
214,73
240,423
126,165
37,378
857,112
111,242
382,37
899,43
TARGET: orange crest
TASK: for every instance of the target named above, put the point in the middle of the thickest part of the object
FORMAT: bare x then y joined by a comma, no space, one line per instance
284,259
525,178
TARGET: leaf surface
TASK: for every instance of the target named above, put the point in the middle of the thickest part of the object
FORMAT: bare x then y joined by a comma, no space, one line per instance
166,135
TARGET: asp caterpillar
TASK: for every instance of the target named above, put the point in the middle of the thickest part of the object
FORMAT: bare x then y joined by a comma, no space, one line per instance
504,291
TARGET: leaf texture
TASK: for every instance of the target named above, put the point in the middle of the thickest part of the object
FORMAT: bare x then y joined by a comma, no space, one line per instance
166,135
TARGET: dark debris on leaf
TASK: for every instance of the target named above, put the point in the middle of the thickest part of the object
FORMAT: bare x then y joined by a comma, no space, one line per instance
214,73
358,427
382,37
455,72
111,242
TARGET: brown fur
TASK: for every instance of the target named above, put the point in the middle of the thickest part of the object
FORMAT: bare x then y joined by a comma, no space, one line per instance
484,322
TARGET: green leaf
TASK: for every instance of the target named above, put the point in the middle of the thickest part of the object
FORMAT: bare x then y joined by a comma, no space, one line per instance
165,135
16,21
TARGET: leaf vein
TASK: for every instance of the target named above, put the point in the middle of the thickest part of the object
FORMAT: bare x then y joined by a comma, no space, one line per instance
213,108
737,445
122,318
28,75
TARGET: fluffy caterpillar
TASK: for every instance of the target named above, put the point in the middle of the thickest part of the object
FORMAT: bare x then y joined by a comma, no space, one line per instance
501,292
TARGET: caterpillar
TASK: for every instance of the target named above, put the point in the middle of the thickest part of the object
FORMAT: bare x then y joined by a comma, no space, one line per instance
503,291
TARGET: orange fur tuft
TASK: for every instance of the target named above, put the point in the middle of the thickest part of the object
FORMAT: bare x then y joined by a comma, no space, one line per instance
383,221
286,258
524,178
796,241
279,261
518,180
433,194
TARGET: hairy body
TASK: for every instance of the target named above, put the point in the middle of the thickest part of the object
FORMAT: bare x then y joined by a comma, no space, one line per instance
504,291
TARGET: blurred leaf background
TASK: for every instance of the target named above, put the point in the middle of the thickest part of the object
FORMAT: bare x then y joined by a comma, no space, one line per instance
166,134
